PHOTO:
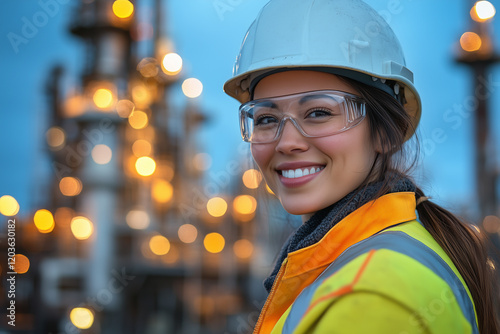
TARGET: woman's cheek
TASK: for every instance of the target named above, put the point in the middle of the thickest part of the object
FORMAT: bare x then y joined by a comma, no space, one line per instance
262,155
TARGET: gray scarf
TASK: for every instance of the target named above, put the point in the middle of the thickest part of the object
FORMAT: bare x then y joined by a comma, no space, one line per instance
322,221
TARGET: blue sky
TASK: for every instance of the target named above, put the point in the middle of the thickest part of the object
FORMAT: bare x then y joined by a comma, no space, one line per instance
207,34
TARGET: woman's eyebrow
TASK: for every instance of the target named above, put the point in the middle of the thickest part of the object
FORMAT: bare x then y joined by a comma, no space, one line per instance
314,97
269,104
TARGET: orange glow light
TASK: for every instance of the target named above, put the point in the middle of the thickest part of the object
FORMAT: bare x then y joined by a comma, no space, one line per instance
123,9
8,206
145,166
188,233
245,204
216,207
159,245
252,178
162,191
103,98
243,249
81,317
137,219
138,119
470,41
81,227
44,221
141,148
214,242
70,186
21,264
56,138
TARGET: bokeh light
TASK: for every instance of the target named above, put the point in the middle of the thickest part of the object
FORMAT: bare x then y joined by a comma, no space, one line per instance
124,108
21,264
138,219
162,191
103,98
470,41
483,11
491,224
141,147
202,161
44,221
8,206
123,9
81,317
245,204
148,67
214,242
74,106
159,245
192,87
141,95
81,227
171,63
145,166
216,207
243,249
56,137
101,154
187,233
252,178
138,119
70,186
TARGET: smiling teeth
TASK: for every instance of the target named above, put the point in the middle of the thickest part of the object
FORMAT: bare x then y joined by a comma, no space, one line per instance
299,172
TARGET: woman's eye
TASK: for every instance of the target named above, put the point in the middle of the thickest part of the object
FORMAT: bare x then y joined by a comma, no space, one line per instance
265,120
316,113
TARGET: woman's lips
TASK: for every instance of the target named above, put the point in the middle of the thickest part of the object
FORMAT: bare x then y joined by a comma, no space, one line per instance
299,176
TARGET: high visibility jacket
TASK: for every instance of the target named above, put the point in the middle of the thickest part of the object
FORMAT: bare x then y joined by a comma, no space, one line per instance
376,271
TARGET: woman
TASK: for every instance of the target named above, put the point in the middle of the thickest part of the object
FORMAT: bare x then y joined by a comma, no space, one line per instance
328,106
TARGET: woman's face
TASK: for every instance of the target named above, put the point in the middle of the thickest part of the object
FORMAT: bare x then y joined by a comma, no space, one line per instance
344,159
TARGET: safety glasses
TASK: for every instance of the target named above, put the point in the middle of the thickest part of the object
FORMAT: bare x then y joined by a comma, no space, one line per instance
314,114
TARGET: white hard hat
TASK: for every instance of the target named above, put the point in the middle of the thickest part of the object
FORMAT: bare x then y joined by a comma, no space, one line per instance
344,37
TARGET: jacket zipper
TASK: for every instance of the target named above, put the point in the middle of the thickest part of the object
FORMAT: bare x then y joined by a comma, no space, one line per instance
277,280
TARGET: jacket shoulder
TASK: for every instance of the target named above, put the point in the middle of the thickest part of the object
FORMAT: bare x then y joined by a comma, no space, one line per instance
390,271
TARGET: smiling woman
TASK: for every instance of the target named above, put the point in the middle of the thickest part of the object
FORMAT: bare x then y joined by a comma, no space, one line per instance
329,115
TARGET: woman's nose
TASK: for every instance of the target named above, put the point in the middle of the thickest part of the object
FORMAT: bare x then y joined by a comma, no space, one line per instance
291,139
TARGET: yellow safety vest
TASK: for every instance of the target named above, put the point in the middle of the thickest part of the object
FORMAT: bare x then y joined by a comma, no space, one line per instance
376,271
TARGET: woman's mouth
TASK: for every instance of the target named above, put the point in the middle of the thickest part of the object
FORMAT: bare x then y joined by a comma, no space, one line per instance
300,172
297,177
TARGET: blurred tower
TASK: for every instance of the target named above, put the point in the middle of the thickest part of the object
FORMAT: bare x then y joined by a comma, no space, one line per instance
104,79
478,52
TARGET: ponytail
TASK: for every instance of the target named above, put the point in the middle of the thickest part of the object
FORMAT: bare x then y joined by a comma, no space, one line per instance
468,252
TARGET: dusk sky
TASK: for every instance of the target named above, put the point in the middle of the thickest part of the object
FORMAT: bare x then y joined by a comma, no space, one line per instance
207,34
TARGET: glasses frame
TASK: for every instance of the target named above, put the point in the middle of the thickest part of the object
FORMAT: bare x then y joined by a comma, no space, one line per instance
352,101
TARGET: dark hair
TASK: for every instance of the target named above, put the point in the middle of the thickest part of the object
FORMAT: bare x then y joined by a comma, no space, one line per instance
389,124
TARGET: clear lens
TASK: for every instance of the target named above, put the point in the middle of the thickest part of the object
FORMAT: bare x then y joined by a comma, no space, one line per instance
314,114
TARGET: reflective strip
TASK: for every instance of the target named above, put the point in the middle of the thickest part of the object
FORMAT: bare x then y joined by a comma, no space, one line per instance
396,241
